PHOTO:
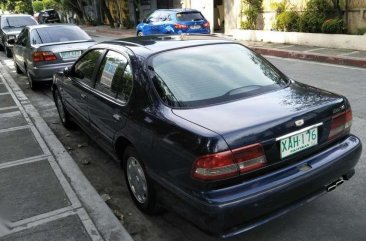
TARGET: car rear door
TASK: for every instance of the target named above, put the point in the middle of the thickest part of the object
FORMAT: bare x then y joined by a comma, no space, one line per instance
79,85
108,109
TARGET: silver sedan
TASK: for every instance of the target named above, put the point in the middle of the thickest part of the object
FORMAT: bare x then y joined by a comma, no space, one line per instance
42,50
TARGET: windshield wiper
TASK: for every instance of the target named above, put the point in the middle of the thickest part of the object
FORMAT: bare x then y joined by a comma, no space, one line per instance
21,26
5,27
242,89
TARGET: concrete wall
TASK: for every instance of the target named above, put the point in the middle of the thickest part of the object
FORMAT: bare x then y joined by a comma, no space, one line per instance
232,15
356,42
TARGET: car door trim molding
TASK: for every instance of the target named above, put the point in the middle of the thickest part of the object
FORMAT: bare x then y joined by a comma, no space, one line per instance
299,131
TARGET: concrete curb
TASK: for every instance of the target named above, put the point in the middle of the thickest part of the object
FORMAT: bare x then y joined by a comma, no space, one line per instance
356,62
103,218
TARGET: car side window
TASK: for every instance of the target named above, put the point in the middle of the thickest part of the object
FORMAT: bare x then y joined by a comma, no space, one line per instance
115,76
85,66
20,37
25,38
154,17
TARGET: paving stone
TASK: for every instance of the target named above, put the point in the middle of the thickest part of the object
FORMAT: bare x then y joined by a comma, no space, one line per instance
30,189
300,48
3,88
359,54
10,149
6,101
9,110
12,119
69,228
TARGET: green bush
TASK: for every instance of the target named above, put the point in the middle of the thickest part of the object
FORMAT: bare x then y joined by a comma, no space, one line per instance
251,10
333,26
37,6
287,21
314,16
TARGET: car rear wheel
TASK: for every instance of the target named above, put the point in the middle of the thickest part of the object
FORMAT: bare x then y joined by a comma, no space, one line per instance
138,182
62,112
17,69
31,82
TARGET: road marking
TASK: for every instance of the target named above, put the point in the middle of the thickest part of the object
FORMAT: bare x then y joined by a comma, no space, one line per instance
9,108
315,63
10,114
5,93
23,161
15,128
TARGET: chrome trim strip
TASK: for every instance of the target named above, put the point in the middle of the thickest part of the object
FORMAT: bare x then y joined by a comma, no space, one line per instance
299,131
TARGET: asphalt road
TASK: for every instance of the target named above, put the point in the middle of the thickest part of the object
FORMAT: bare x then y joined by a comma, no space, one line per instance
339,215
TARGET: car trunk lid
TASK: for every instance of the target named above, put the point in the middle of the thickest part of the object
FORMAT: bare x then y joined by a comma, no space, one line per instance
266,118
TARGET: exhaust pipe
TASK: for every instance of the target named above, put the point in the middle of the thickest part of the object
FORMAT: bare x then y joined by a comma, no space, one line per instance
335,184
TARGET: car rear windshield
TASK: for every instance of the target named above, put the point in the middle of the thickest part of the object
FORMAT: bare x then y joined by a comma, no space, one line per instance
17,21
189,16
58,34
212,74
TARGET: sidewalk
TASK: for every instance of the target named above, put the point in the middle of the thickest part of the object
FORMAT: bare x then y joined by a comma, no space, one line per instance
43,194
310,53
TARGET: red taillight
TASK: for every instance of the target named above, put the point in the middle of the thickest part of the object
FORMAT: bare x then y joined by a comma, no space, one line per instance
206,25
229,163
43,56
180,26
250,158
340,123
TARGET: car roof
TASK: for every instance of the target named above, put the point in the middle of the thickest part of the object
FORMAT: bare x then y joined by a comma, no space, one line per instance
50,26
149,45
179,10
16,15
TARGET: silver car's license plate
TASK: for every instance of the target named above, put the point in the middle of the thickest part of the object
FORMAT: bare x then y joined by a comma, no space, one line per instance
299,142
70,54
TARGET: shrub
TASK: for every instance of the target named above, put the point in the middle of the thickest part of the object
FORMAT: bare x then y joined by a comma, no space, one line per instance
251,10
314,16
287,21
333,26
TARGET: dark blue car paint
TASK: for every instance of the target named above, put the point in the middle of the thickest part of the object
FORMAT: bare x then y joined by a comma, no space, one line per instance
168,27
169,140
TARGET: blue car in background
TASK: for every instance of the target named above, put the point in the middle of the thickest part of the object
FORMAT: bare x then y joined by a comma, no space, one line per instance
174,21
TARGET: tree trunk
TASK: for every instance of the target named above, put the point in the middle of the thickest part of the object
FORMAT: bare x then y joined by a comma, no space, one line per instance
106,12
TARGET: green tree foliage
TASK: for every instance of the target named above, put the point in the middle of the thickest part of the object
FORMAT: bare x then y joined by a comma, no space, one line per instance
37,6
314,16
251,10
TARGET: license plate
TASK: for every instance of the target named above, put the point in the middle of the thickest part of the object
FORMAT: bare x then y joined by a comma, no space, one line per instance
298,142
70,54
195,26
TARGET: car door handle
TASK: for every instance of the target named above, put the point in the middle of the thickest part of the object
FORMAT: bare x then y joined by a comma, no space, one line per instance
117,117
83,96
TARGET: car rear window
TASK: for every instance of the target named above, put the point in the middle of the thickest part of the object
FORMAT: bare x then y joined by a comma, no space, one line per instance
61,34
212,74
17,21
189,16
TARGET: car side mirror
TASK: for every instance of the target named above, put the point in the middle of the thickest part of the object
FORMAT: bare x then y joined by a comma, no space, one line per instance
67,72
11,41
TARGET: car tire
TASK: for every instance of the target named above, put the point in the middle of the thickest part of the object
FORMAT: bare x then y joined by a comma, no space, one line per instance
17,69
8,52
140,34
62,112
32,83
138,182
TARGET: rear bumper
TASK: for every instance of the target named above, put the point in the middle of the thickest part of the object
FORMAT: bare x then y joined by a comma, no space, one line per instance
45,73
237,209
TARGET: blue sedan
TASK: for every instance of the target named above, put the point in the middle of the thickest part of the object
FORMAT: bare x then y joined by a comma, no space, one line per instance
209,129
174,21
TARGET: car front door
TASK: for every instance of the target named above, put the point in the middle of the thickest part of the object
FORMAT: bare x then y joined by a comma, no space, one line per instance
107,106
79,84
19,49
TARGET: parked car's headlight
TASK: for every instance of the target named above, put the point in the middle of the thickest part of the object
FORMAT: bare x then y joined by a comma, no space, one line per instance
11,37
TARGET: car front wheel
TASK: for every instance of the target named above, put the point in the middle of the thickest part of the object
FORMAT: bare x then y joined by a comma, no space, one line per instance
138,182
